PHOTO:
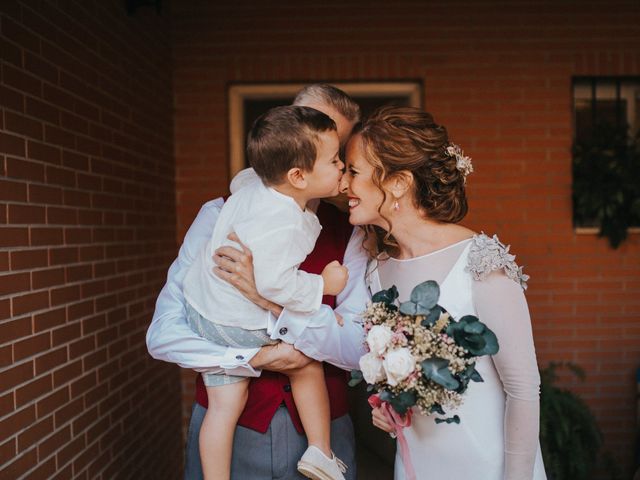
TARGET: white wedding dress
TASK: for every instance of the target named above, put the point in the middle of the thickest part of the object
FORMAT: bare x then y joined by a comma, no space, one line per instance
497,437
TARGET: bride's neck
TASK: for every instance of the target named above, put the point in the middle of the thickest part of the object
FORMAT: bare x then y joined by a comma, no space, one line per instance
417,236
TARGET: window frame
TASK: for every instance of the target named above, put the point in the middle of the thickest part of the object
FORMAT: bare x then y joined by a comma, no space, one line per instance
238,94
590,92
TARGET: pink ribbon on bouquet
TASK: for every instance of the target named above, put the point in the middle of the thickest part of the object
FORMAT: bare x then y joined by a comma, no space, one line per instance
398,423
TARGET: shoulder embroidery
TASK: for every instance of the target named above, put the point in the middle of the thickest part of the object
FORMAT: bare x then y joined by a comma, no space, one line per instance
488,254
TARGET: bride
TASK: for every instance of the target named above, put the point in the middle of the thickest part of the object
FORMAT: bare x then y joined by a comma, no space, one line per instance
406,183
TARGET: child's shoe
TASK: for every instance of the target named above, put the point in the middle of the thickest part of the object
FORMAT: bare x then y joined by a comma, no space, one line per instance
317,466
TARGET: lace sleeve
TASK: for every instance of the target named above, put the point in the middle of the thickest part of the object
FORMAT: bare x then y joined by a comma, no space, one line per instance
488,255
501,305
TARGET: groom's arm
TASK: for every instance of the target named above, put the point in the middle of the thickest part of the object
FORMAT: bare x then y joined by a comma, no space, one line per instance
169,337
319,336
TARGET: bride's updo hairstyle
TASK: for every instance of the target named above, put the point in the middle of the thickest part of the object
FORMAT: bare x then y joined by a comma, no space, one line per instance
399,139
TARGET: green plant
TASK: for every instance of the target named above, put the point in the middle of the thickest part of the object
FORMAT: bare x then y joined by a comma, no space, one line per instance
606,190
569,435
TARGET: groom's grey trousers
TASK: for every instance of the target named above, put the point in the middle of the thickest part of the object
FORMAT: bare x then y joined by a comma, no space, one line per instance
270,455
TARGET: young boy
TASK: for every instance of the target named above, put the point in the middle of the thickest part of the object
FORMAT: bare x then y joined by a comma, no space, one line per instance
295,152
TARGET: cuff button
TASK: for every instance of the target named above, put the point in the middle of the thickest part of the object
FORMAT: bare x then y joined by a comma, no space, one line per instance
239,357
283,331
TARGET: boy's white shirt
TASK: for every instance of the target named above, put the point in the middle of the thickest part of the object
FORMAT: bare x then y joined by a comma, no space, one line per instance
318,336
281,235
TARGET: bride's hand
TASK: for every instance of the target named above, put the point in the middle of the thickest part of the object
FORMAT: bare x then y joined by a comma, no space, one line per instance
381,421
236,267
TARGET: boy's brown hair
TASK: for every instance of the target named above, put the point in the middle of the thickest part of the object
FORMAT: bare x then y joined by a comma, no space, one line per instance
285,138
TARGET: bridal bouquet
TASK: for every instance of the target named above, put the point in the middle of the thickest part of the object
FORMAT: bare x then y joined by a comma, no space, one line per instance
418,355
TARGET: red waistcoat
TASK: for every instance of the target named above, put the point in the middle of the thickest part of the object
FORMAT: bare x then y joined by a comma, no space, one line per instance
268,391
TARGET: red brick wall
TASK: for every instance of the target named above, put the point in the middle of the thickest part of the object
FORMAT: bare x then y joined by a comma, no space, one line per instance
499,76
87,230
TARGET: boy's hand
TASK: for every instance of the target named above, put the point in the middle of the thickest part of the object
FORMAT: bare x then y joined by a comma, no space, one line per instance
335,278
339,319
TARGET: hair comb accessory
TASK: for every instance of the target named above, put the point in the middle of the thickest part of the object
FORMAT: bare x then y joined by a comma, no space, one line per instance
463,163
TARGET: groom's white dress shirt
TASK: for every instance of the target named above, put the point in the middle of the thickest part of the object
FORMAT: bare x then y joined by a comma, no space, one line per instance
318,335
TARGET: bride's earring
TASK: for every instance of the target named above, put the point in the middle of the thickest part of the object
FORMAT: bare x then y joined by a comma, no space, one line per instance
396,206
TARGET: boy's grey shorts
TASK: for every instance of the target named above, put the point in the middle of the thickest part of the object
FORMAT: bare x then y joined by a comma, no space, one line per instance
226,336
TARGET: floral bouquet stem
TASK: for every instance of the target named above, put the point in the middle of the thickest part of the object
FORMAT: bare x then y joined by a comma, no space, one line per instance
399,424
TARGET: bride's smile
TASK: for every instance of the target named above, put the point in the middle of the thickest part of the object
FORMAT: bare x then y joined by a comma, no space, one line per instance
367,203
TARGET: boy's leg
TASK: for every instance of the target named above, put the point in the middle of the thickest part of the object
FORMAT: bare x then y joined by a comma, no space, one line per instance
265,462
310,394
275,454
216,435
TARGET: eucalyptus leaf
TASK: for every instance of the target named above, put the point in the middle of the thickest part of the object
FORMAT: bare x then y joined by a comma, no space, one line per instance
474,327
474,343
454,419
409,308
491,347
474,336
476,377
426,294
433,316
467,372
465,377
388,296
386,395
467,320
356,378
403,401
436,369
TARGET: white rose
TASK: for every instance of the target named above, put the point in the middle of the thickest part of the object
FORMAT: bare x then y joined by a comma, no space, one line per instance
378,339
371,366
398,365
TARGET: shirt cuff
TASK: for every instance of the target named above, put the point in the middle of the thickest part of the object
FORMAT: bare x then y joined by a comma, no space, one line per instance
287,327
236,362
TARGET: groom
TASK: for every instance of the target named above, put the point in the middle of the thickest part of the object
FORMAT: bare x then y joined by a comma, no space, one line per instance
269,439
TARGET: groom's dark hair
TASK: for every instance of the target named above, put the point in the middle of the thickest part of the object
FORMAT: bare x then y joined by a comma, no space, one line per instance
285,138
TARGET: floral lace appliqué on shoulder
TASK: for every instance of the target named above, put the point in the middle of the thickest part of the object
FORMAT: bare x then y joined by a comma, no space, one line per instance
488,254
